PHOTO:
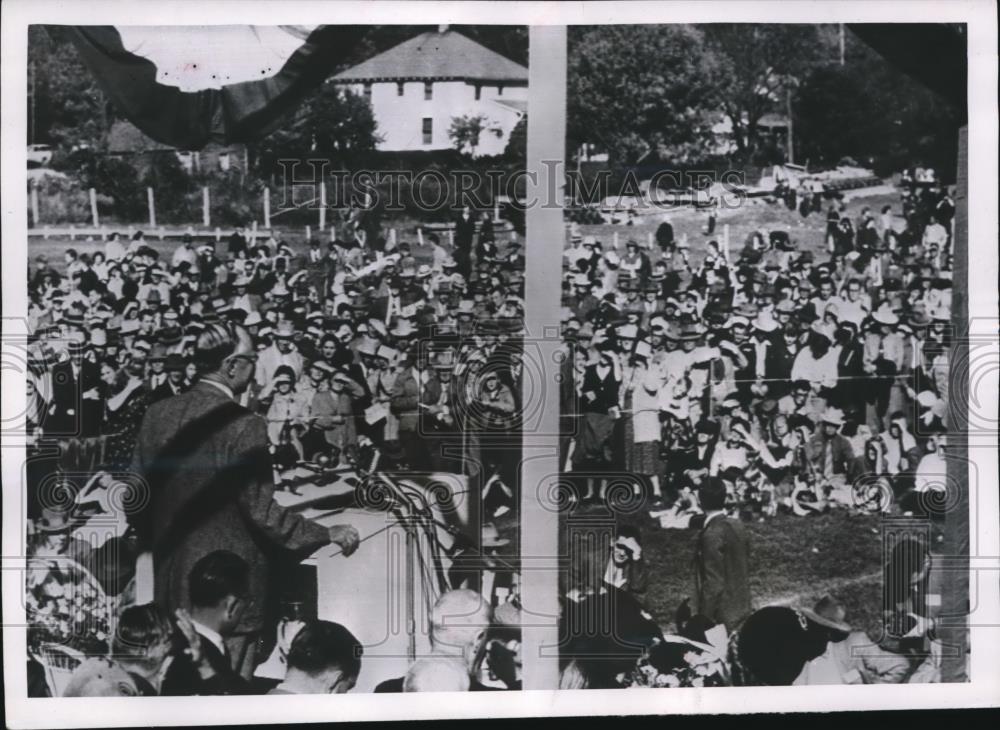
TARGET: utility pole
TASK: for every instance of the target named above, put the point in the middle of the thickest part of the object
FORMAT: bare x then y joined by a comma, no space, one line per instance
788,111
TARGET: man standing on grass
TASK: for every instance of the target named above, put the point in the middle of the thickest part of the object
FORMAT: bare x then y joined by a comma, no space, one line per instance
722,551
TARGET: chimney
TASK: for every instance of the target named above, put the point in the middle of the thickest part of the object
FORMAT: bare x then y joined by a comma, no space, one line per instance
442,29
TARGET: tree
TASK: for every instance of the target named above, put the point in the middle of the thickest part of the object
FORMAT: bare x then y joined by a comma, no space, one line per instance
640,89
466,131
67,108
875,113
757,61
517,143
333,124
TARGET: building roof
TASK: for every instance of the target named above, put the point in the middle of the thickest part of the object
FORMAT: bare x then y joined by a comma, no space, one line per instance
125,137
436,55
517,105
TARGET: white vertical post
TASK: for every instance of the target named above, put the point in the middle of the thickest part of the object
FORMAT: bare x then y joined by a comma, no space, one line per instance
151,204
267,207
451,237
420,236
649,240
206,217
309,232
322,205
93,208
614,240
34,205
253,234
218,234
540,520
144,577
496,211
392,238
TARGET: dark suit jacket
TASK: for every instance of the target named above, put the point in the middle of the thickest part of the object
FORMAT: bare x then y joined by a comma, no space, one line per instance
721,573
165,390
205,461
69,414
182,678
407,395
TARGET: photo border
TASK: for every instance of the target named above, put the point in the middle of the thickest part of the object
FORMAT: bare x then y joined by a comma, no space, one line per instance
984,687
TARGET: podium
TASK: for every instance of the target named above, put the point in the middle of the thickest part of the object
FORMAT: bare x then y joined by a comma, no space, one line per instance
385,591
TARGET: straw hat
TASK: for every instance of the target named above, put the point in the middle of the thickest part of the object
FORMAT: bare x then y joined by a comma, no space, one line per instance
833,416
828,612
885,315
387,353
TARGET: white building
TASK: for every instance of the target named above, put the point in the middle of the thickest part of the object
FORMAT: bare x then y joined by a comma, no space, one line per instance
417,88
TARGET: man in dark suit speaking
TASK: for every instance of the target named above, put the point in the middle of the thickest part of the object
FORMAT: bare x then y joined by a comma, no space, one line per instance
204,460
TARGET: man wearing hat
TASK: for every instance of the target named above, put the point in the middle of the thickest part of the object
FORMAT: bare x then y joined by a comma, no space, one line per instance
883,360
282,352
75,408
831,455
851,657
174,367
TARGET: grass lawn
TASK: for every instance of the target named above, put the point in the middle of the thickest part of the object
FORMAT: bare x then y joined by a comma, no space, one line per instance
808,232
793,561
406,230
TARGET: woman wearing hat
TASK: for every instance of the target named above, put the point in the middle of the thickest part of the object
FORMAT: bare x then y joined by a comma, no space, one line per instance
124,407
286,410
600,409
641,416
332,411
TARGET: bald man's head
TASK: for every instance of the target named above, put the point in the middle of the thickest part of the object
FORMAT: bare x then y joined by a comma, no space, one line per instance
437,674
458,624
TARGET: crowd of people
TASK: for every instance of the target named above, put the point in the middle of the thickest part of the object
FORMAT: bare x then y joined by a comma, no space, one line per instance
714,387
804,383
174,393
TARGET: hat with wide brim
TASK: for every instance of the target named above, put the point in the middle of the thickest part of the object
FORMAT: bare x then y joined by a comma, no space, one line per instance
885,315
833,416
692,332
828,612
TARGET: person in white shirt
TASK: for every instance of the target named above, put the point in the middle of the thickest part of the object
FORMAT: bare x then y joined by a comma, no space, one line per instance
282,352
856,305
184,253
113,249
